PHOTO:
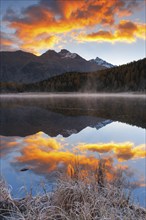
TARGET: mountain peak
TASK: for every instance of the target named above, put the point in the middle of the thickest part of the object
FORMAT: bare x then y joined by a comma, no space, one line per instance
67,54
49,54
19,51
64,51
101,62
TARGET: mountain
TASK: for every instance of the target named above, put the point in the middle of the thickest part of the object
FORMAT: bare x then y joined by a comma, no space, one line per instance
67,72
128,77
23,67
101,62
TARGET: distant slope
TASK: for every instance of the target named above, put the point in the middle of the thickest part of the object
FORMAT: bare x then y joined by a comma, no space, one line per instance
129,77
22,67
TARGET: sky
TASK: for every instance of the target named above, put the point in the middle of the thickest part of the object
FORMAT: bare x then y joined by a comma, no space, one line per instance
114,30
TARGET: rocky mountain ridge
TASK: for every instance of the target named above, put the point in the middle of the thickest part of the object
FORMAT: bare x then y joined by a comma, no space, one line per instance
24,67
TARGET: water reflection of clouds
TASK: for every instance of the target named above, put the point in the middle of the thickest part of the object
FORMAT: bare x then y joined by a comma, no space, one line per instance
122,151
44,154
8,144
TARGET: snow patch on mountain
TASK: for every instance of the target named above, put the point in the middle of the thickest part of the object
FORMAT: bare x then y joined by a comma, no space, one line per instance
70,55
67,54
101,62
102,124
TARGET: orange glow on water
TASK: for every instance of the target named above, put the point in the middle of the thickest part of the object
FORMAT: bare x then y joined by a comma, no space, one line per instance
44,155
122,151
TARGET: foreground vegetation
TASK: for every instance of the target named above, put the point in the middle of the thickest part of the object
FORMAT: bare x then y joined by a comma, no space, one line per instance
76,197
128,77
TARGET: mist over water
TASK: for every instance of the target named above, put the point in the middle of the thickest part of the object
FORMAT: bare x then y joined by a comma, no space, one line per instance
73,94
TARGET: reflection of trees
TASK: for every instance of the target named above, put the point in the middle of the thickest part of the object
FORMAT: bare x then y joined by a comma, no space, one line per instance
126,109
76,113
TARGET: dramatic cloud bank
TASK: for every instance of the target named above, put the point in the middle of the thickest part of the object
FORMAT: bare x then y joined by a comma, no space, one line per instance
126,31
48,23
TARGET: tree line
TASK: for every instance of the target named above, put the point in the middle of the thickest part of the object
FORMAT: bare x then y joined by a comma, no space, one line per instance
128,77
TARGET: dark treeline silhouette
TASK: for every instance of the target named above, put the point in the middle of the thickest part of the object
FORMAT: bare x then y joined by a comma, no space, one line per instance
128,77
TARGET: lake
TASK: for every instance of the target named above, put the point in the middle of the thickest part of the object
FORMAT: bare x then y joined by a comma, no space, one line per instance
45,133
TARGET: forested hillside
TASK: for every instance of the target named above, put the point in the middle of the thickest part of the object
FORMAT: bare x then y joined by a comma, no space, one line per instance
128,77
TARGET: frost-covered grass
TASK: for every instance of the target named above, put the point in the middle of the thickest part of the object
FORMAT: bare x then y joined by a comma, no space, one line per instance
75,198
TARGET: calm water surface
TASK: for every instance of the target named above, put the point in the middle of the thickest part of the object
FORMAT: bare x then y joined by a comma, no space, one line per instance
41,134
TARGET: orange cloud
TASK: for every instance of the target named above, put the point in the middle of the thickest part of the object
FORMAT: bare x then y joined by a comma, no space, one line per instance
54,18
30,45
126,31
38,140
123,151
48,152
44,154
7,145
129,30
8,42
44,145
44,161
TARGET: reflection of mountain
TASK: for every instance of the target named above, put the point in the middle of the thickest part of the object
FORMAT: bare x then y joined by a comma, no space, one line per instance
23,121
102,124
66,115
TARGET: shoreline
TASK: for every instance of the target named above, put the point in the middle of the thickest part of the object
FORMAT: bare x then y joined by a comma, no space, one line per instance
72,94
